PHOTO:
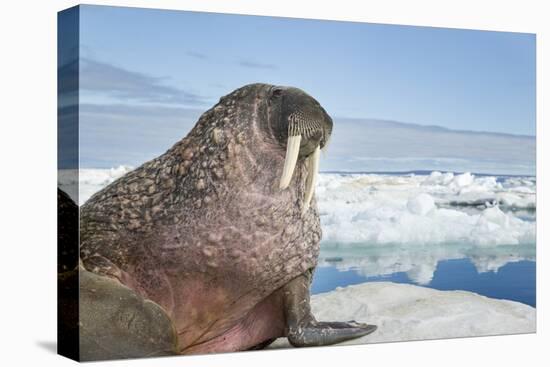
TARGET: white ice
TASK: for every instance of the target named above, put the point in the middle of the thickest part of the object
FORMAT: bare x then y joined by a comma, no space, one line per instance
406,312
438,208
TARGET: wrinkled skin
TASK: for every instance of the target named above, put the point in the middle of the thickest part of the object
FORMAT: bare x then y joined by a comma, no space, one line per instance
205,232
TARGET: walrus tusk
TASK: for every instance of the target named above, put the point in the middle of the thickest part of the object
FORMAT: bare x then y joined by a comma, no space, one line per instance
292,150
313,169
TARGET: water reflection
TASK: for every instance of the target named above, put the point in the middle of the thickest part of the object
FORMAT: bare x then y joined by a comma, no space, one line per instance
514,281
419,262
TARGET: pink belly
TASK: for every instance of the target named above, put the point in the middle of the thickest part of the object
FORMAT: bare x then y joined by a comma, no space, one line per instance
215,330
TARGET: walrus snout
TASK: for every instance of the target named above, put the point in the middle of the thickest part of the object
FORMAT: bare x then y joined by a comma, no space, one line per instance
300,114
314,126
305,127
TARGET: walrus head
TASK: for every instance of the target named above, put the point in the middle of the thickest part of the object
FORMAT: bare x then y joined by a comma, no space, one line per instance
296,120
276,130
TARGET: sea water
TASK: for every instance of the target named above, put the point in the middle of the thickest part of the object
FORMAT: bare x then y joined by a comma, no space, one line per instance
513,281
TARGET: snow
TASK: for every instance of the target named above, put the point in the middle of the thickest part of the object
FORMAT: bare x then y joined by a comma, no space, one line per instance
421,204
438,208
405,312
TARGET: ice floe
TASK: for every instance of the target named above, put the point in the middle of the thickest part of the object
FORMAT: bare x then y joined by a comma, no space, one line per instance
406,312
419,209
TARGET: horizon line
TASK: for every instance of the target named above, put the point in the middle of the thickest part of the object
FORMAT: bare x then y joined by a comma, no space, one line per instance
336,117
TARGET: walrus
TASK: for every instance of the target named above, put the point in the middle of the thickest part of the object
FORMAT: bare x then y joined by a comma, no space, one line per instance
211,246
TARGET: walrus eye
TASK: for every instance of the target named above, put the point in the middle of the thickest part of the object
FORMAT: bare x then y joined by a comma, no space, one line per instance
276,93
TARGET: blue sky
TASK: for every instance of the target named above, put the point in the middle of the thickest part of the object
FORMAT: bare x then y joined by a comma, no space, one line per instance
165,61
460,79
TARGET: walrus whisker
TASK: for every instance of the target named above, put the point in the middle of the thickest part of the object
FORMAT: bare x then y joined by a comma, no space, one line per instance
312,171
292,150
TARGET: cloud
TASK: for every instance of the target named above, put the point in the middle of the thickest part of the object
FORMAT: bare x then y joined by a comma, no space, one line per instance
126,85
67,76
380,145
67,136
197,55
257,65
140,111
130,134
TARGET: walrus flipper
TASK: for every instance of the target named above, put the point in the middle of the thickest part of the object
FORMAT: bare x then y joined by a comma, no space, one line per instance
115,322
303,330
